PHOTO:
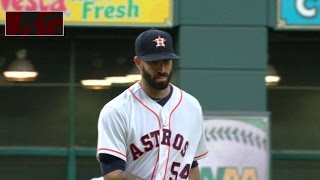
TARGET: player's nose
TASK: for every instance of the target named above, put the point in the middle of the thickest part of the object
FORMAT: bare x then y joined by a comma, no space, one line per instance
162,67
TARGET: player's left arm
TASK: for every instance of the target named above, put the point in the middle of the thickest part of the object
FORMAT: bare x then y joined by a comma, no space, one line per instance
194,173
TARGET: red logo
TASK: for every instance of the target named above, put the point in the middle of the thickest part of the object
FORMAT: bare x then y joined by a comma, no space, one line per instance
34,24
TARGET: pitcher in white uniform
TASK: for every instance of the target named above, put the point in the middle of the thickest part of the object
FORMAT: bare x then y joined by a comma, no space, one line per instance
153,130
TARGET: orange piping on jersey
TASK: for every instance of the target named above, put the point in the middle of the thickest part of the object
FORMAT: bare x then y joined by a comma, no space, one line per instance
202,155
140,101
158,118
175,109
113,151
170,130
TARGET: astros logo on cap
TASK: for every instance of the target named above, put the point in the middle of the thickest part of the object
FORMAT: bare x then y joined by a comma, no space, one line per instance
160,41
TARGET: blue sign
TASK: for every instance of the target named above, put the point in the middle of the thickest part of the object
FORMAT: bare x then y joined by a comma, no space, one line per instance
299,14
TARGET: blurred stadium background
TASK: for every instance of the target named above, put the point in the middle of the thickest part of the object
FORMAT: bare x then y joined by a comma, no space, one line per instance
48,125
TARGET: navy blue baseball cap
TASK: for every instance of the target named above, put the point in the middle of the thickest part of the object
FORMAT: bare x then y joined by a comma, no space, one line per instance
153,45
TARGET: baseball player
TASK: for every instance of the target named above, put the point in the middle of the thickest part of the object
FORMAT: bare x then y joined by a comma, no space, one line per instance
153,130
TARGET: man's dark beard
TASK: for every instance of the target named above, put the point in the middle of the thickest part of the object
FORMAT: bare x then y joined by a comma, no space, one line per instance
152,83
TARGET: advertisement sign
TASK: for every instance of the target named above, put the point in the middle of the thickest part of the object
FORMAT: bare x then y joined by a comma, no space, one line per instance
298,14
238,148
99,12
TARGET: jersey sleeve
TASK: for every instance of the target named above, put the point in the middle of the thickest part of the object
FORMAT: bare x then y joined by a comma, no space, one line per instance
202,150
111,133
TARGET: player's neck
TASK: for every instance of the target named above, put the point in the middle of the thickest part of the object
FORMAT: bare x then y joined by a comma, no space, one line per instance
154,93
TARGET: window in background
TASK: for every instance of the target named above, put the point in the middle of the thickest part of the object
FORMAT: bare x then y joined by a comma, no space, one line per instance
294,104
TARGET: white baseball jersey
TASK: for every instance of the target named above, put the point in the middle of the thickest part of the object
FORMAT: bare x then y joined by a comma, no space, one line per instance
157,142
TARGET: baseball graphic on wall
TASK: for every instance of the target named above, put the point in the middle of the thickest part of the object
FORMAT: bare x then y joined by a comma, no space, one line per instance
238,149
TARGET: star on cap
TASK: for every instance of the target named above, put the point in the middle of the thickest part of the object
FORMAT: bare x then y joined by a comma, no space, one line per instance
160,41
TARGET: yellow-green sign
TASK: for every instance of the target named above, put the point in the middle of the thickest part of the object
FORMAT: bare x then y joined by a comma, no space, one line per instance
99,12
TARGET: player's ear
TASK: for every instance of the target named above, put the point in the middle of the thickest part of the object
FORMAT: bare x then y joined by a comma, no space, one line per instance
137,62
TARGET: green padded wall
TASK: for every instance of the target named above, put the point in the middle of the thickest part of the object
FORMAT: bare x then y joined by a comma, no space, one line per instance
224,90
224,67
223,47
219,12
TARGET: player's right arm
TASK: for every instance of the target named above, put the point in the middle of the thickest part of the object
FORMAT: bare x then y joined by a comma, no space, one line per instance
120,175
111,148
113,168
